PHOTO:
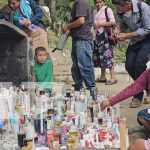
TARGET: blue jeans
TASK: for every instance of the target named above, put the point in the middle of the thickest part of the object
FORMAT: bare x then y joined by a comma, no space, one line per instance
82,67
136,59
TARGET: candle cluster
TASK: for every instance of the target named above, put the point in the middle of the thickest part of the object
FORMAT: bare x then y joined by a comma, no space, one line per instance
71,120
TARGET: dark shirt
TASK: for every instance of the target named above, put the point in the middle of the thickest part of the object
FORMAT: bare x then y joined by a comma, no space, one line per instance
81,9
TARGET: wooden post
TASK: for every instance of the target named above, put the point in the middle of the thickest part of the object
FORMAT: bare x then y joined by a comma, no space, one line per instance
123,134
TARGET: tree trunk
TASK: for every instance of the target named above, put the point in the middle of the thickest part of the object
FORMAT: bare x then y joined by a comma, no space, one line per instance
52,8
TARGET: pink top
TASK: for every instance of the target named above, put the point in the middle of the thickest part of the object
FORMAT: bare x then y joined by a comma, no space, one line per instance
147,144
142,83
99,17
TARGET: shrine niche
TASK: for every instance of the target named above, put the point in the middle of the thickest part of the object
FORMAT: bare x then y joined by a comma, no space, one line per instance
15,54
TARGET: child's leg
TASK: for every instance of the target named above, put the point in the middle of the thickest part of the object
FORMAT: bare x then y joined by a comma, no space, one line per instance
144,122
143,118
137,145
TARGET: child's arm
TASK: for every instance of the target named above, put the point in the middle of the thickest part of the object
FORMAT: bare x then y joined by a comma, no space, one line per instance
49,72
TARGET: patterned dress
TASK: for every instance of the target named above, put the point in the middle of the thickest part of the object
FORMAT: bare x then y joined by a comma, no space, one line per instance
103,51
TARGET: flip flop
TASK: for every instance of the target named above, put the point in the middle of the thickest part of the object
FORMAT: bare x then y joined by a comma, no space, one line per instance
111,82
100,80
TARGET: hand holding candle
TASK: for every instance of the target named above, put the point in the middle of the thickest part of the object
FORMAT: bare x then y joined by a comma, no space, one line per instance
104,104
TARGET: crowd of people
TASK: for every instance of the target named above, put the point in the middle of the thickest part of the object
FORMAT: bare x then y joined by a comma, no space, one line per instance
86,54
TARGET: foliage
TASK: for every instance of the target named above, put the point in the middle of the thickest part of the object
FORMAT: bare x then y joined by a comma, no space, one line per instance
63,10
3,1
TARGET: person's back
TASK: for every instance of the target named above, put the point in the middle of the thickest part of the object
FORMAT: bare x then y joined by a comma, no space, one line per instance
43,69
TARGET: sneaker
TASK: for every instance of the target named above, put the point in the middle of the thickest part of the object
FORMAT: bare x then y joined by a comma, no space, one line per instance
94,93
146,100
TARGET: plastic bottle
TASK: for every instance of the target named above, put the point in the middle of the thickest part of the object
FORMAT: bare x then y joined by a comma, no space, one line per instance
32,27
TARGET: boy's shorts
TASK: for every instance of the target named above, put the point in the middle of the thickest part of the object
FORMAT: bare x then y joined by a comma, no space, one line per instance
145,114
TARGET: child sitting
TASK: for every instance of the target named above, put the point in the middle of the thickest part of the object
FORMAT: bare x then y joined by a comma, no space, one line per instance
43,70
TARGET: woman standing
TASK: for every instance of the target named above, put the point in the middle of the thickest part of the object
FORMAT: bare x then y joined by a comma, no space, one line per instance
103,51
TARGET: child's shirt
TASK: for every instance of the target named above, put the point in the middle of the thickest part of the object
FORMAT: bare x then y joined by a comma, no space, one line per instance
43,73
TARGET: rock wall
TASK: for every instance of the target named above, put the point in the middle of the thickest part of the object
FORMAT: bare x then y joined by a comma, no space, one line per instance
15,55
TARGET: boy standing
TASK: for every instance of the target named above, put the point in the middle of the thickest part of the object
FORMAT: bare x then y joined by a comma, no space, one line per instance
43,70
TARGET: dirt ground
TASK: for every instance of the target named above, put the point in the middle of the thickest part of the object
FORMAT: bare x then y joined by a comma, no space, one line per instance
61,67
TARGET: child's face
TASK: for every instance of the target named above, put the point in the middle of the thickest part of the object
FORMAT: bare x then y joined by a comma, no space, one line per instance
41,56
14,4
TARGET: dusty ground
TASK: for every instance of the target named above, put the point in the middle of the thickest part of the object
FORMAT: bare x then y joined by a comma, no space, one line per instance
61,71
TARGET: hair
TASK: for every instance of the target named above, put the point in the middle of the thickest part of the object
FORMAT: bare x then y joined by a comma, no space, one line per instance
39,49
102,0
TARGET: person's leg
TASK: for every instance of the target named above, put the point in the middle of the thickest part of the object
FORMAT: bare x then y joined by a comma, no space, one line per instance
137,145
140,66
143,117
75,71
144,122
109,63
103,74
85,63
112,74
130,64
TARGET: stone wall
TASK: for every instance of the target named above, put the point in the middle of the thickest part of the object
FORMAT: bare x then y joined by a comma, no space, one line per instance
15,54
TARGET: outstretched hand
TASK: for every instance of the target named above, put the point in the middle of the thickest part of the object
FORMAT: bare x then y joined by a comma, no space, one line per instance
104,104
121,37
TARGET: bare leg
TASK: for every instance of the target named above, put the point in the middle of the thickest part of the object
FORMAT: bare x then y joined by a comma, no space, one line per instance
144,122
137,145
112,74
103,74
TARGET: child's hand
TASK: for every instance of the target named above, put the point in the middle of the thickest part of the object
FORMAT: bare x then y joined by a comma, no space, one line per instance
104,104
26,22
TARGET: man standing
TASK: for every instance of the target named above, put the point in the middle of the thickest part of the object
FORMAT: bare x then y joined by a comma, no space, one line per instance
82,44
135,17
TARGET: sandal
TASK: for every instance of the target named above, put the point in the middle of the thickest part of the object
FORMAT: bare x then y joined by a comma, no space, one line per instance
101,80
111,82
135,103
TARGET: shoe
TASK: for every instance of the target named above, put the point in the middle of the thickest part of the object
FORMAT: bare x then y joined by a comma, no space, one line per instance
101,80
111,82
135,103
77,88
94,93
146,100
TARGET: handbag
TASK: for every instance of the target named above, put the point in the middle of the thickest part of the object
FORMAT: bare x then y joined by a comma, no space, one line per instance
112,31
